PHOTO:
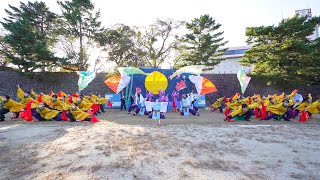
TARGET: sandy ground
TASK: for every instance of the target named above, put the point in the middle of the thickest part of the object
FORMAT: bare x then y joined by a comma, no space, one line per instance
124,146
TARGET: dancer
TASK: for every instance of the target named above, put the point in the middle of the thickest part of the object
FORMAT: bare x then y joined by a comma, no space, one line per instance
185,106
79,115
138,99
279,111
243,112
10,106
217,105
44,113
156,114
102,101
123,103
175,95
142,110
149,96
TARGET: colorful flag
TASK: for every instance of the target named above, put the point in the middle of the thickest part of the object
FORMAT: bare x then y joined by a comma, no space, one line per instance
194,69
181,85
243,79
85,78
125,71
117,83
203,85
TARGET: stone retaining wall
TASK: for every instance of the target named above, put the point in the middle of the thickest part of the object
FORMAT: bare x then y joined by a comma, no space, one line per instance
227,84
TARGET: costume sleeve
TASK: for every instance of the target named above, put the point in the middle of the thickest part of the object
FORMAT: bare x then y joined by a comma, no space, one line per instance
302,106
94,98
275,109
46,97
236,112
314,108
245,100
103,100
36,96
253,105
20,93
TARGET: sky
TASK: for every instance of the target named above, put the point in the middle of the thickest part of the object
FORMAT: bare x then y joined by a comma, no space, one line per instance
234,15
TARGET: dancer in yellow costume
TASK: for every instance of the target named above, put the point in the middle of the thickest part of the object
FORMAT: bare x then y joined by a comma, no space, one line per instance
242,112
102,101
217,105
25,97
314,108
44,113
307,101
279,111
83,104
55,103
10,106
79,114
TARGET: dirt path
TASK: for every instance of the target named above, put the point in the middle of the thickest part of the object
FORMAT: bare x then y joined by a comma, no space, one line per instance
124,146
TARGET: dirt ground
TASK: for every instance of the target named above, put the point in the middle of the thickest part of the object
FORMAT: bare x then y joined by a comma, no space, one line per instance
124,146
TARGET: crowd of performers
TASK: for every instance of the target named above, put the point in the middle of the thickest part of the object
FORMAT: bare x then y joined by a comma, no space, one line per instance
78,107
275,107
71,107
138,104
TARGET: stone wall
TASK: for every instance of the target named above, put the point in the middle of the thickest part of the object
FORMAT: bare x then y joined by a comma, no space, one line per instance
227,84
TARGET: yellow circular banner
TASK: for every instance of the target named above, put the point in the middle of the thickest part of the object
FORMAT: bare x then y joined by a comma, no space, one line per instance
156,81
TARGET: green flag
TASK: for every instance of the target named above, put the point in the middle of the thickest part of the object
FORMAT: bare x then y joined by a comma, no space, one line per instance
85,78
193,69
130,71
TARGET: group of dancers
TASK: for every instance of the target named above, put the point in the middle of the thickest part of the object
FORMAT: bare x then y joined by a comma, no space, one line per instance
138,104
60,106
275,107
79,107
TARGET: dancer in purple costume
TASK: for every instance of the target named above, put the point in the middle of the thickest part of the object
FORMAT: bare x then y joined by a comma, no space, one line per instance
149,96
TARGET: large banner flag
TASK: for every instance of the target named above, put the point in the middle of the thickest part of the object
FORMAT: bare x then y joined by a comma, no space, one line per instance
202,84
194,69
85,78
125,71
117,83
243,79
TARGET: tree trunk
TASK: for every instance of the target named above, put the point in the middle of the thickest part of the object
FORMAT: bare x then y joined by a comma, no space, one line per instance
81,50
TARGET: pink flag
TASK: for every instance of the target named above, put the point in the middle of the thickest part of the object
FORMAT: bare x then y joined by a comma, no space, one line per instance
181,85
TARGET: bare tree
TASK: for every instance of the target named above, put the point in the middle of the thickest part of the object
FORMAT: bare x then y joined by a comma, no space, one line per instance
4,61
158,41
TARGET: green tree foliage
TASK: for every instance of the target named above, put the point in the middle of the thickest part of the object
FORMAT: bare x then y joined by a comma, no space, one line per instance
284,53
29,37
158,41
80,22
201,45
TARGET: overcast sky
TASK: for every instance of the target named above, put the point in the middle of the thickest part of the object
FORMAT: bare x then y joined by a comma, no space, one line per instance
234,15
